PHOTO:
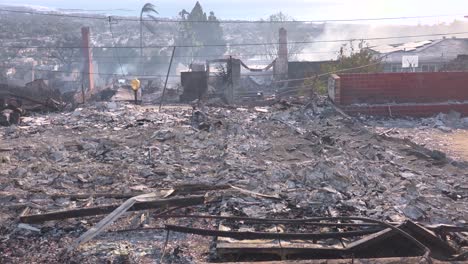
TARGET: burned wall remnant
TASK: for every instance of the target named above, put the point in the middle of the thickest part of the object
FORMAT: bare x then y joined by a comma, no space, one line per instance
16,101
228,77
195,85
35,96
40,89
413,94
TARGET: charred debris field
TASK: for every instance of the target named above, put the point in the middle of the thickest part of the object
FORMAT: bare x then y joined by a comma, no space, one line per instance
120,183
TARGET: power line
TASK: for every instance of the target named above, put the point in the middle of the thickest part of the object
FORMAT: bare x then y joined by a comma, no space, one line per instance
106,62
160,75
244,55
112,60
219,55
241,44
253,75
228,21
378,61
94,73
116,74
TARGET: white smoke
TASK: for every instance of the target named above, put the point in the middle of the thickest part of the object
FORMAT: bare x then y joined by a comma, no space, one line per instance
325,49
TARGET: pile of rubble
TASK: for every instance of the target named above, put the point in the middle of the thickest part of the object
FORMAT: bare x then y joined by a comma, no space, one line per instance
17,101
284,161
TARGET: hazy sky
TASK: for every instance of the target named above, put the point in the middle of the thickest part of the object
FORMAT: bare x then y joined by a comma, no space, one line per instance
300,9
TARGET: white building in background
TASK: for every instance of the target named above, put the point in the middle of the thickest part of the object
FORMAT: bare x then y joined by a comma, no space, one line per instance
432,55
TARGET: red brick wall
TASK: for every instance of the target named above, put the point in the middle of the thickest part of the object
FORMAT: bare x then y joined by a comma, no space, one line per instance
400,94
382,88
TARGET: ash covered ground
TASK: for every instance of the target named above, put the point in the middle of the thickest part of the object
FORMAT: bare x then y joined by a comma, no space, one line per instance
316,161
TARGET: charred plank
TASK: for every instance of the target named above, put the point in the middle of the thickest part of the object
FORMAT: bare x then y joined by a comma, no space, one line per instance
106,209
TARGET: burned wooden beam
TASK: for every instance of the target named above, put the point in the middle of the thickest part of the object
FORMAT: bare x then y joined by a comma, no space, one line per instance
447,228
96,195
373,239
257,235
265,235
381,244
278,250
438,248
6,149
106,209
273,221
427,237
185,189
194,188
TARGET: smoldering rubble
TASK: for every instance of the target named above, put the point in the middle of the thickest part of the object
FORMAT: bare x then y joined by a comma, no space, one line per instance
284,161
36,96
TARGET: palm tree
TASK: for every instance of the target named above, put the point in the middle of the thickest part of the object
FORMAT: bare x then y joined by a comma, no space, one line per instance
147,9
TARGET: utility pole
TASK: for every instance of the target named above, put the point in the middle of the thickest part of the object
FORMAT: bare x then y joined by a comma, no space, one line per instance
83,93
33,71
167,77
230,92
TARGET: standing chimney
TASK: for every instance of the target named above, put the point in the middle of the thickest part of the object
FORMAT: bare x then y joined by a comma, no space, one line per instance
282,60
88,70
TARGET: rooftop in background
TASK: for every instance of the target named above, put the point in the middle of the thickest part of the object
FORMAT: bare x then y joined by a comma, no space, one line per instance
410,46
429,50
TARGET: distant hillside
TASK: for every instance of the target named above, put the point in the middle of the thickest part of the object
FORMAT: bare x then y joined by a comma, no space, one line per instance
41,30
